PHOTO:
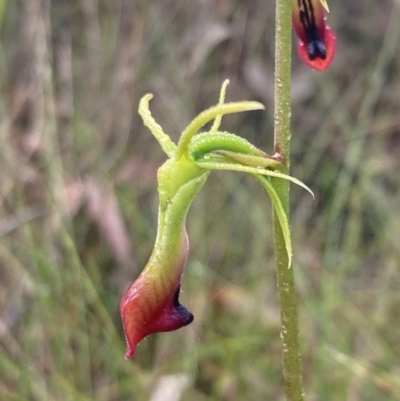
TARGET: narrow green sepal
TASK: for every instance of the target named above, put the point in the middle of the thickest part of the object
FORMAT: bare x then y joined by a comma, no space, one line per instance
250,160
213,165
163,139
280,213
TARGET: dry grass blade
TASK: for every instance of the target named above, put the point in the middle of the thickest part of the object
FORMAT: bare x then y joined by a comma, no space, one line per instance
104,210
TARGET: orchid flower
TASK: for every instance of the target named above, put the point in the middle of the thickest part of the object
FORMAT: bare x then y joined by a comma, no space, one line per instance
151,304
316,42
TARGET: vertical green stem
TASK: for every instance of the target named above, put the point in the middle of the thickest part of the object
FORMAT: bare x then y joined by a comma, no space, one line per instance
285,276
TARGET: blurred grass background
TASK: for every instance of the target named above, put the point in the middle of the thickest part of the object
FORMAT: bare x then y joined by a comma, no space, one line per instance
78,202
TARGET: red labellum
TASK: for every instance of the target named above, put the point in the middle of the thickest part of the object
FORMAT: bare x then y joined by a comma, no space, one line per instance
316,42
319,63
151,304
144,314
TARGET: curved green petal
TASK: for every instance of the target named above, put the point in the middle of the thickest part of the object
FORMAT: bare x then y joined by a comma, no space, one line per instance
325,5
251,170
280,213
209,115
217,121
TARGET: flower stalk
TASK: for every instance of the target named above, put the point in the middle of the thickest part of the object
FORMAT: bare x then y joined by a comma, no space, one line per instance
282,135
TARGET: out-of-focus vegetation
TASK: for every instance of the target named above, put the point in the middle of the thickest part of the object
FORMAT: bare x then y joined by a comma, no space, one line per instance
78,202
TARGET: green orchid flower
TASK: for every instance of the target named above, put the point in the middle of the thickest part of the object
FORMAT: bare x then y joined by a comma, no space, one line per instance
151,304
